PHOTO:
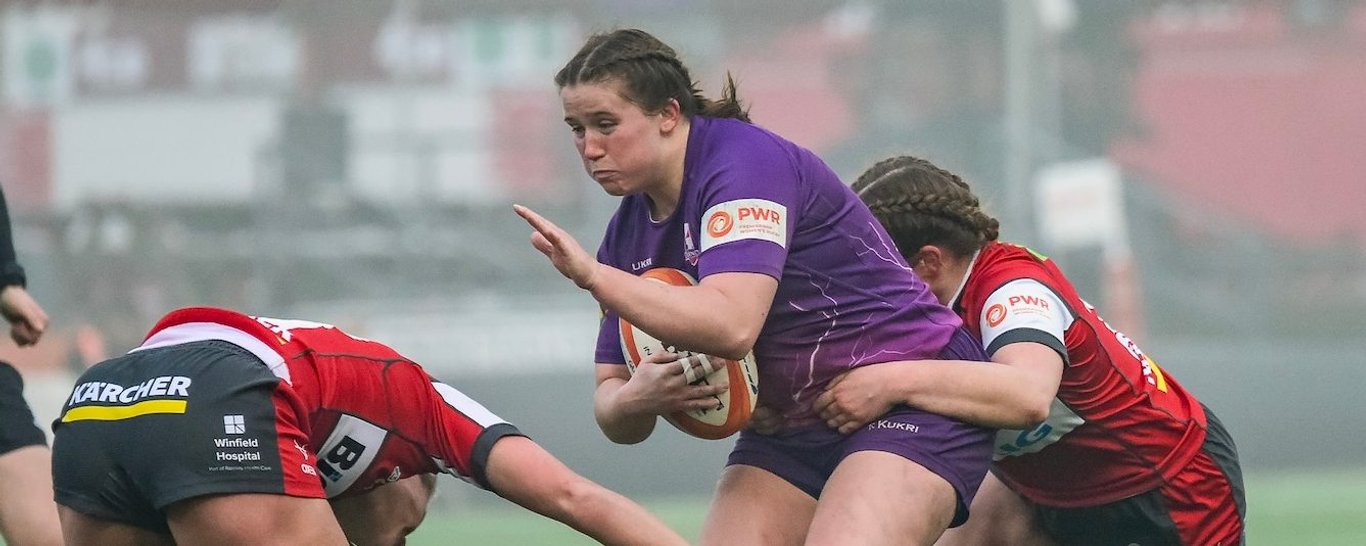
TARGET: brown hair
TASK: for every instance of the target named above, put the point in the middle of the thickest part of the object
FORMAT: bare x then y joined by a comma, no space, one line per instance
920,204
650,72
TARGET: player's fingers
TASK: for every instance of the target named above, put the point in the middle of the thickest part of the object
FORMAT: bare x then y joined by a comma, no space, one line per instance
537,222
19,335
704,392
711,364
37,318
32,334
765,421
662,357
542,244
713,390
822,403
546,228
690,368
701,404
667,373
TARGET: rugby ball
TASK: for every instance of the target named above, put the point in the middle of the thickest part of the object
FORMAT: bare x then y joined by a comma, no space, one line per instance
733,407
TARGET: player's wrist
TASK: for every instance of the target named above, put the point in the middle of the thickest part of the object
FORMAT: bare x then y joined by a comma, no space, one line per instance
590,281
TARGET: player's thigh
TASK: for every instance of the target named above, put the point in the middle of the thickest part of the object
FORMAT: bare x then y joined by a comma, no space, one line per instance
1000,517
84,530
385,514
28,516
755,506
876,497
254,518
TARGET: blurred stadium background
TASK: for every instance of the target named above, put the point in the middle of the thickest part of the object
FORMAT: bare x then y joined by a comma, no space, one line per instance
1198,167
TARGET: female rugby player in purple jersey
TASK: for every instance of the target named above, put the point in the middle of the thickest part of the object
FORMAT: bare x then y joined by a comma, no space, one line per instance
792,266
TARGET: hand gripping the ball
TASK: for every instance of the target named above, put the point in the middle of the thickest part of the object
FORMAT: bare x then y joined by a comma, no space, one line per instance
663,383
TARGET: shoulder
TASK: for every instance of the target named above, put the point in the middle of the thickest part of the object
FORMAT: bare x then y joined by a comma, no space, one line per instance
1002,262
997,265
724,139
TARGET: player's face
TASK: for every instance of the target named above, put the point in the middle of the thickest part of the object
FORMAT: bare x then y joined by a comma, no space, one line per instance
622,147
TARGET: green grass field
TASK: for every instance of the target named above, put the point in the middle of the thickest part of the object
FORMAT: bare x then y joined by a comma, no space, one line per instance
1290,509
1285,509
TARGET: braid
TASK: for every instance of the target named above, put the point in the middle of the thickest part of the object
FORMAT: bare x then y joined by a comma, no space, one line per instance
921,204
650,72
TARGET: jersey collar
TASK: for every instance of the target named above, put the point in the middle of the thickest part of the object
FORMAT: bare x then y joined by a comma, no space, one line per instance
958,294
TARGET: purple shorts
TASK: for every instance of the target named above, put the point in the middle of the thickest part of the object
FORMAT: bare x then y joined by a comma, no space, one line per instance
956,451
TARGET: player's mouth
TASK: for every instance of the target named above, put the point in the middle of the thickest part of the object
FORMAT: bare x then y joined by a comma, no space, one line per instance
604,176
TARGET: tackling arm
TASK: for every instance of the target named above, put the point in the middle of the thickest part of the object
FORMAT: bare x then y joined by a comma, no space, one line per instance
1015,390
523,472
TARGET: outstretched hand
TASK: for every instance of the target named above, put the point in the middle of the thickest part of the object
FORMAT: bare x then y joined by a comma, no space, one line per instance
564,251
27,319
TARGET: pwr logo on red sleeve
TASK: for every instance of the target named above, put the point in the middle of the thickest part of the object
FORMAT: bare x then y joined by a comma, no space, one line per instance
744,219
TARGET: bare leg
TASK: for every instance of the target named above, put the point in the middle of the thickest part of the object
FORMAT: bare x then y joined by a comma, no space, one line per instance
83,530
999,517
876,498
755,506
28,516
385,515
258,519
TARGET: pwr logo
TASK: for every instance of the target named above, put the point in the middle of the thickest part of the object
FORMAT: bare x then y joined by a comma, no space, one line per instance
1028,301
761,214
1028,304
719,224
745,219
995,314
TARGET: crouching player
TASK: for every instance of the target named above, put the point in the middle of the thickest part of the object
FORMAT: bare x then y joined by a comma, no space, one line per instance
224,428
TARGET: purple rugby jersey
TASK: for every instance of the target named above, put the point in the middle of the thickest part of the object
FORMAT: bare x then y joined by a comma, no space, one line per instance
755,202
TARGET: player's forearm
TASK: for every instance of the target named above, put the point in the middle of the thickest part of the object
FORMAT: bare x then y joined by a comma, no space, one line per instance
620,420
986,393
524,473
615,520
690,317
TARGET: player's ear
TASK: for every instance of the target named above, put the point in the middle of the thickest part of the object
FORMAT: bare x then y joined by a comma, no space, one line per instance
928,261
669,116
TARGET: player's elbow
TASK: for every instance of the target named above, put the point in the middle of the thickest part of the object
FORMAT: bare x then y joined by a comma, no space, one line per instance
735,343
1034,416
624,432
623,438
1032,411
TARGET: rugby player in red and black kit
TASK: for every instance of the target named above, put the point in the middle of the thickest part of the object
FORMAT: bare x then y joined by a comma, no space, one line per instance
1098,445
224,428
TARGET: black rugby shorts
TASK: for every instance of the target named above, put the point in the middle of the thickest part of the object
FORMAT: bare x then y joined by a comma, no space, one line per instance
144,430
17,427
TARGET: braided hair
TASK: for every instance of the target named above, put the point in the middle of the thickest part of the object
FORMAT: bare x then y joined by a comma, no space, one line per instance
650,72
921,204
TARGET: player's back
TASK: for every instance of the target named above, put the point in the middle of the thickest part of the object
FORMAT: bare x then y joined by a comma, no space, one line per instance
374,416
